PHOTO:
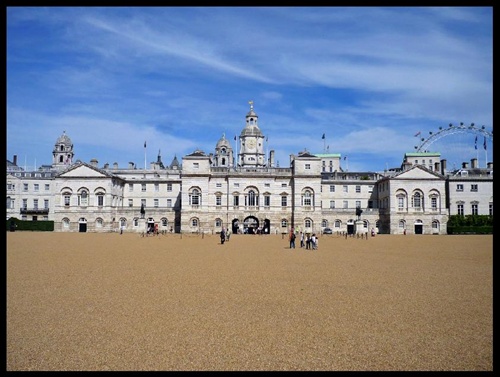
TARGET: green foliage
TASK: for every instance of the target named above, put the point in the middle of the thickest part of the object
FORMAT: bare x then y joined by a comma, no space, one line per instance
470,224
43,226
470,220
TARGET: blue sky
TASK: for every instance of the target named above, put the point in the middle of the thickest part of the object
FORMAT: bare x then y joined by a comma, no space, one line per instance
369,78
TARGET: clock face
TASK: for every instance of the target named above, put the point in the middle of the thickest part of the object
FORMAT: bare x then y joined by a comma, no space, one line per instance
251,143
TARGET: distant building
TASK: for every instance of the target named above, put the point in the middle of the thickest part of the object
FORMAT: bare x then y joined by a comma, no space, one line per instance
245,191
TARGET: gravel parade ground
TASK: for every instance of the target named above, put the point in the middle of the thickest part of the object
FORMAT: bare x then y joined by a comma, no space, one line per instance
111,302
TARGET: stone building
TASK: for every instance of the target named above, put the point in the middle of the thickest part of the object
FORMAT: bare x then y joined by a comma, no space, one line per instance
244,191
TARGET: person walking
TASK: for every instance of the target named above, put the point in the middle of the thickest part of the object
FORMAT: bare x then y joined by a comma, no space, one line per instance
301,239
222,236
292,239
313,241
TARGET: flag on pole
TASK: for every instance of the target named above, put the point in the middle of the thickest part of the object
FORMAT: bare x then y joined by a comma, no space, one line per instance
144,144
417,134
345,157
475,143
484,143
234,137
323,136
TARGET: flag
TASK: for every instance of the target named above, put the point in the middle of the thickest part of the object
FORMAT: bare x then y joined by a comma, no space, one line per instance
267,138
417,134
475,143
144,144
234,137
323,136
484,143
345,157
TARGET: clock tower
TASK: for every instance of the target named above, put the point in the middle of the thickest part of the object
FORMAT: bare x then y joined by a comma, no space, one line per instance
251,142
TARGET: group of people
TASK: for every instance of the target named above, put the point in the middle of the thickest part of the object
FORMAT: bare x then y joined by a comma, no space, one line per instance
224,235
310,241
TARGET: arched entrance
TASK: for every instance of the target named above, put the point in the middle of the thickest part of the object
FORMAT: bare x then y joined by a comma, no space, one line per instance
419,227
82,225
350,227
266,229
250,225
235,226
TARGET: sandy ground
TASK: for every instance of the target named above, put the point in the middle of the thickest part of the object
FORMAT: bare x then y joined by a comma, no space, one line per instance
111,302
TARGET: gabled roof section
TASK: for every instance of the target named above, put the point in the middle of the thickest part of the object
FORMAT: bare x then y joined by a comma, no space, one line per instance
82,169
417,172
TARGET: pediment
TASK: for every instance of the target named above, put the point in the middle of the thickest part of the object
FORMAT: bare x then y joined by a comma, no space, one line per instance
84,171
417,172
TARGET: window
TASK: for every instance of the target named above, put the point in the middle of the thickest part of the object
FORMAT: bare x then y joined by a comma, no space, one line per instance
358,204
324,223
307,198
474,209
307,166
434,203
417,201
47,187
218,200
460,209
308,223
332,188
267,185
169,203
130,187
490,209
194,222
143,203
253,199
460,187
473,187
100,199
36,187
136,222
345,188
46,203
131,202
236,200
332,204
267,200
157,187
25,186
143,187
196,165
236,184
284,201
156,203
218,223
164,222
345,204
67,200
401,203
35,203
358,189
194,198
218,185
284,223
284,185
169,187
83,198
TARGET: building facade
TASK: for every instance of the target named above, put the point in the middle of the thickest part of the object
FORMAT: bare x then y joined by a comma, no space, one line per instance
244,191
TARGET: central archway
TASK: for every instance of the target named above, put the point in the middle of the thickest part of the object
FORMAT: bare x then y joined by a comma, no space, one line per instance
250,225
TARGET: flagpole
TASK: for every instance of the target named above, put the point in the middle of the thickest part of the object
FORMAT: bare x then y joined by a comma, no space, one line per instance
144,155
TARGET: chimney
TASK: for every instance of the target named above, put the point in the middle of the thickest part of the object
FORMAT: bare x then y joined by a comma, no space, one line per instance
436,166
473,163
443,166
271,158
115,165
465,165
130,165
490,165
93,162
15,160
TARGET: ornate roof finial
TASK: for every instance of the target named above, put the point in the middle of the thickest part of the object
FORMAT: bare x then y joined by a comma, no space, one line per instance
251,105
